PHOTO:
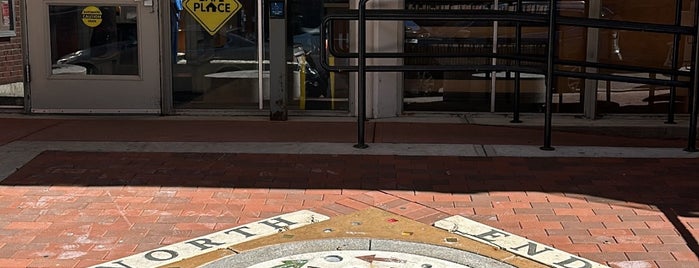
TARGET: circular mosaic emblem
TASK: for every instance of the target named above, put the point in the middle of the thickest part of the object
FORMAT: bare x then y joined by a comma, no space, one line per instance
358,259
91,16
356,253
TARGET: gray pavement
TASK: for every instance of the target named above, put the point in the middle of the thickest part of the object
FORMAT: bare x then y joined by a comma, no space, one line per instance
15,154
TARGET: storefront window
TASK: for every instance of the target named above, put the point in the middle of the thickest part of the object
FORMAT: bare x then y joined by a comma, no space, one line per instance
467,90
473,91
6,18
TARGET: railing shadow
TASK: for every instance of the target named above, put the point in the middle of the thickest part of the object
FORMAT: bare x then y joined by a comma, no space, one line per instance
667,186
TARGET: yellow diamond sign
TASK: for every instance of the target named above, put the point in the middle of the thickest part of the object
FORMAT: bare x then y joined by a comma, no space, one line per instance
212,14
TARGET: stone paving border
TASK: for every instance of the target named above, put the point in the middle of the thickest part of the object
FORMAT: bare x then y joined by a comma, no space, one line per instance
15,154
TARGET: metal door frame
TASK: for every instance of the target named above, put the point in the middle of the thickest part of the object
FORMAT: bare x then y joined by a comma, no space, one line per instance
41,35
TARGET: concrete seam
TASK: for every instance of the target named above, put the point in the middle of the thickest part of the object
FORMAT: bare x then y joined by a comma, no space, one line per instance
34,132
485,152
464,117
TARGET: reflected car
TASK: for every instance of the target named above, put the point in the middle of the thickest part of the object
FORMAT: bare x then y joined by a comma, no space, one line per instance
118,58
237,53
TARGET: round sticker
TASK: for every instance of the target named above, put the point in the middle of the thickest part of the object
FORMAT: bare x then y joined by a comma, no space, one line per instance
92,16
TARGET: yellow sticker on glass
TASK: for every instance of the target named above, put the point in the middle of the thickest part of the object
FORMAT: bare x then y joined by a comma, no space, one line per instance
92,16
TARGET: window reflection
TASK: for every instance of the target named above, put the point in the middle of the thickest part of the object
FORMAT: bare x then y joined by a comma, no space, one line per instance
220,70
94,40
6,18
471,91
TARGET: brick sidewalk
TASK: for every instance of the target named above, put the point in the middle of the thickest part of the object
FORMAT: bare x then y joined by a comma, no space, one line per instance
75,209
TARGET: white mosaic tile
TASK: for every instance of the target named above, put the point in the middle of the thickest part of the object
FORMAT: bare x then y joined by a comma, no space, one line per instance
515,244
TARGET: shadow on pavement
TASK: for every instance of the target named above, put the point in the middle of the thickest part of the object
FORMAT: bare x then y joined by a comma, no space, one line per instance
670,186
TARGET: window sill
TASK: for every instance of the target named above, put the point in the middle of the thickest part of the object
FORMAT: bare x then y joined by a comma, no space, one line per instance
7,34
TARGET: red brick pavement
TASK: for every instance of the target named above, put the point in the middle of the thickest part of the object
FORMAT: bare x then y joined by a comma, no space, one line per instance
75,209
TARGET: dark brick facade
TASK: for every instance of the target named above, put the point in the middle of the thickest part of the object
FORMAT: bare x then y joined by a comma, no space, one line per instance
11,52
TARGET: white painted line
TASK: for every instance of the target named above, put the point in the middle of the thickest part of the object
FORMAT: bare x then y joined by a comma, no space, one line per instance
215,241
515,244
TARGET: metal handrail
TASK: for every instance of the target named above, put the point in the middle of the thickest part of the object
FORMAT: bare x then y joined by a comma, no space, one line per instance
542,64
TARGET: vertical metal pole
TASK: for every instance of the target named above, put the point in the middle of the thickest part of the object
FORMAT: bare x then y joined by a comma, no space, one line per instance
518,51
25,59
260,55
278,71
590,87
549,75
675,55
361,76
494,61
692,139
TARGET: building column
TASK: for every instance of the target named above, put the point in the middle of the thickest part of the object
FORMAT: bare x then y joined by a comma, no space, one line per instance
384,90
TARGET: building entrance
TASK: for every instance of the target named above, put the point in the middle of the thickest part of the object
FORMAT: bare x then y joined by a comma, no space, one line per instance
225,65
93,57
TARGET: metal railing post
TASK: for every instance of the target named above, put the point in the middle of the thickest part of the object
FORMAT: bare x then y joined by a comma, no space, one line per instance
518,50
675,55
361,76
550,76
692,137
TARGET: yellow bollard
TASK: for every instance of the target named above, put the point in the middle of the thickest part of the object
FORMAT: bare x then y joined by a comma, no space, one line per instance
302,81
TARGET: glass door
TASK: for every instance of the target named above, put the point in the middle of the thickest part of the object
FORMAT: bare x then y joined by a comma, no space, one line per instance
94,57
217,62
216,65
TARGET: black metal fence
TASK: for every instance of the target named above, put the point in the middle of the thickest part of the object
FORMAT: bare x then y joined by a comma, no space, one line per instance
545,14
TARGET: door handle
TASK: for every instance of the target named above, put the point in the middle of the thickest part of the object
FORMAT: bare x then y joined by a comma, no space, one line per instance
616,48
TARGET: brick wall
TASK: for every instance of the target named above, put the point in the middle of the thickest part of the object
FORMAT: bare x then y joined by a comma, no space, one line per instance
11,52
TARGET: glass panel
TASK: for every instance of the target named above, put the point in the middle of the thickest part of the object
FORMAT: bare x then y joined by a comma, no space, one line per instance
314,87
11,72
643,49
647,11
216,71
464,91
534,41
453,90
5,15
220,71
94,40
